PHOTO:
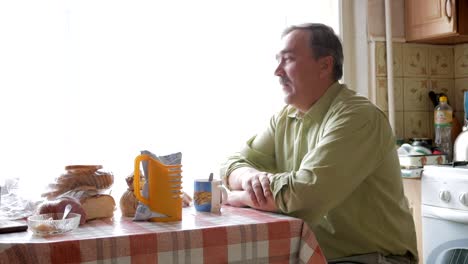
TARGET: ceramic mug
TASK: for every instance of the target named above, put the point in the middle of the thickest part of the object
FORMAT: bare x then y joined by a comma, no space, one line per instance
208,196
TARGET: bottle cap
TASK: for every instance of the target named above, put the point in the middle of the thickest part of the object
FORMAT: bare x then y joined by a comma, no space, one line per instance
443,98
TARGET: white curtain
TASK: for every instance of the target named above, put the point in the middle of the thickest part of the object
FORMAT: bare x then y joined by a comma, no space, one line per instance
96,81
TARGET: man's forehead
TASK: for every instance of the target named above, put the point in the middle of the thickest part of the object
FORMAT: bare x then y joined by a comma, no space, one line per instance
293,41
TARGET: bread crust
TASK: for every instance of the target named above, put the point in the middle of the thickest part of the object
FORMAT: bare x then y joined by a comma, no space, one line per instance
72,168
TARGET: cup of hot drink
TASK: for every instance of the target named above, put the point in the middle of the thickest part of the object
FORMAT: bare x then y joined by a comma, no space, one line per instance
209,195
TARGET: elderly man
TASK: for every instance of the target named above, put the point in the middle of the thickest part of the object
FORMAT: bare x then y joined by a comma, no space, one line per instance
328,157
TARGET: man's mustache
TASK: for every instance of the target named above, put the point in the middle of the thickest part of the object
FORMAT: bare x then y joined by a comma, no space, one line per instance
284,80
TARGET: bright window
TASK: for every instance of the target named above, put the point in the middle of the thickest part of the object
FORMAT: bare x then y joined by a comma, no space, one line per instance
96,81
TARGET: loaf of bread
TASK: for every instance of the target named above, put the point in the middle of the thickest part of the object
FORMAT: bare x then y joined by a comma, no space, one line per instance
128,201
87,200
78,176
83,187
58,206
89,207
98,206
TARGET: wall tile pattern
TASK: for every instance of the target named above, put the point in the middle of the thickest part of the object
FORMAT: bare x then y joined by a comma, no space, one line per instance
419,69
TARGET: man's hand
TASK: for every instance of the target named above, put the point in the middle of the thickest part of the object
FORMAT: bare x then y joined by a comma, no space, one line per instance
257,186
255,183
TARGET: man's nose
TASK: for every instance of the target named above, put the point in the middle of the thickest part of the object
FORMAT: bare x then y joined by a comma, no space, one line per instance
279,70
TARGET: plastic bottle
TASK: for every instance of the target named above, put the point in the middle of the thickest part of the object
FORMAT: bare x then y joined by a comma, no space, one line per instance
443,127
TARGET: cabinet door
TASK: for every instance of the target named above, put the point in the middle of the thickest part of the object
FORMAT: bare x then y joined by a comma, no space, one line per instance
426,19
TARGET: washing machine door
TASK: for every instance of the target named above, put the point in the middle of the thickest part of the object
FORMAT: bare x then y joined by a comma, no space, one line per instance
445,239
450,256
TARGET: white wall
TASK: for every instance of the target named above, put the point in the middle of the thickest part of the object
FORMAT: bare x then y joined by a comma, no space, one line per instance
354,27
362,22
376,18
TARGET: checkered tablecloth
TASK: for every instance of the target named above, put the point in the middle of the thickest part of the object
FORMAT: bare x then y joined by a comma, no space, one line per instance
237,235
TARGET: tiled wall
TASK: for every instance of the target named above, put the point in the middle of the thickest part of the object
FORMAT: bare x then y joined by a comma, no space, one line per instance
417,70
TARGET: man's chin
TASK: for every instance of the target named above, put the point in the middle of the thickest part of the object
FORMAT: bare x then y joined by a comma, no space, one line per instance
287,99
286,89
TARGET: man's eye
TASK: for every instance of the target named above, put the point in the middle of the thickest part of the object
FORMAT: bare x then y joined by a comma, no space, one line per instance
285,58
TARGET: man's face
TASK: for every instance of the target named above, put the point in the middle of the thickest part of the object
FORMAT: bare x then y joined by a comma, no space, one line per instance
301,76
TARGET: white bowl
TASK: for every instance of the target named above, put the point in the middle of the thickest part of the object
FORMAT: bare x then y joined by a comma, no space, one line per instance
51,224
420,150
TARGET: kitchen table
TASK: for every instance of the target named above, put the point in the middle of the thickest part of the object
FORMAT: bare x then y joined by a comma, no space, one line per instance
237,235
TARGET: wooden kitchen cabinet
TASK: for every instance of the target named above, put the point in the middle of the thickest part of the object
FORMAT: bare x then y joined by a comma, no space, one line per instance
412,188
436,21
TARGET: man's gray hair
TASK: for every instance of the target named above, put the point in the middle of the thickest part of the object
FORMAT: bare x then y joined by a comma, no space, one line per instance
323,42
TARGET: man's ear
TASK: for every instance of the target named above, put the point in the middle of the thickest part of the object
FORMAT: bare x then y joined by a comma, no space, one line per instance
326,67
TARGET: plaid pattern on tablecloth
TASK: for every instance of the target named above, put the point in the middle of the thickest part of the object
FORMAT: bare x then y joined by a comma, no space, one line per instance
237,235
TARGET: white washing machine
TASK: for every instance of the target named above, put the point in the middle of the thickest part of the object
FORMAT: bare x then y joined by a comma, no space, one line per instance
445,214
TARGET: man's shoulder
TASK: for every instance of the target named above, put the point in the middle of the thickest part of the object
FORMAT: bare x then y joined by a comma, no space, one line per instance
349,101
352,108
346,95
